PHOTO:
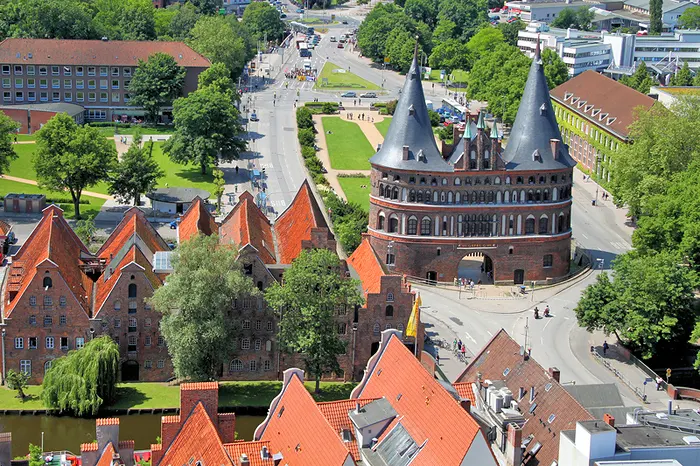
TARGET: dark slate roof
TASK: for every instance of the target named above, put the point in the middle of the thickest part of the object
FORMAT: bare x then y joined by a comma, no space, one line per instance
470,132
535,124
174,195
410,127
599,395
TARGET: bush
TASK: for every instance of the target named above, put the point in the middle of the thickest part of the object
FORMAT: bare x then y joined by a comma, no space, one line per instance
445,133
434,118
304,118
320,179
349,221
306,137
391,106
308,152
329,108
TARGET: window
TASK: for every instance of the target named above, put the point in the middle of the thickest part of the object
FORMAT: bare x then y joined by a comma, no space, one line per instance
147,340
258,325
67,84
127,72
56,83
32,342
390,297
62,320
32,320
530,226
67,71
376,328
50,342
55,96
258,344
268,345
30,70
6,83
7,95
62,301
55,70
161,341
148,364
68,96
115,71
43,71
19,96
161,363
236,365
44,96
115,84
544,223
19,343
80,96
103,71
147,322
132,306
19,82
267,365
342,328
132,290
48,301
269,326
245,343
91,84
547,260
79,342
64,343
5,69
246,325
412,226
131,347
48,321
117,323
103,84
80,84
79,70
389,312
47,284
25,366
104,97
425,226
253,366
132,324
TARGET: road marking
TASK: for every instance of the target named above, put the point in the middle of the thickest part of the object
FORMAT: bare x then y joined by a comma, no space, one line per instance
584,235
545,325
278,203
470,337
267,165
490,334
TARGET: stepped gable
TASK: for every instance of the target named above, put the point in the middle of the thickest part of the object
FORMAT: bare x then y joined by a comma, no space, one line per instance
551,400
337,415
247,224
299,225
410,126
368,267
197,219
529,146
54,244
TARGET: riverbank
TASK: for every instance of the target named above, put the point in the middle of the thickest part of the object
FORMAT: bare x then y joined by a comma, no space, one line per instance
148,396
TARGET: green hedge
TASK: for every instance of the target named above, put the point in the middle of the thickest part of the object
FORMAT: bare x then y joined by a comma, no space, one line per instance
322,108
307,140
107,124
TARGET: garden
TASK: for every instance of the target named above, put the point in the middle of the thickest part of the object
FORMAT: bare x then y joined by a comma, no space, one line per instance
356,189
338,78
348,147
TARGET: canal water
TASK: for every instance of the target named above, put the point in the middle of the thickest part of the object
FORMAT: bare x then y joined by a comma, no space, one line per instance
67,433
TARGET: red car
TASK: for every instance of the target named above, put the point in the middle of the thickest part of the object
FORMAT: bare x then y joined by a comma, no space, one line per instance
340,45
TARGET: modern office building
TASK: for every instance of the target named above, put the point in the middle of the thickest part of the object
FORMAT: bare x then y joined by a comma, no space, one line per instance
547,10
94,74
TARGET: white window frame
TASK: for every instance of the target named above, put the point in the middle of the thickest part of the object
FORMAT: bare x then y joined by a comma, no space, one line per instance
50,342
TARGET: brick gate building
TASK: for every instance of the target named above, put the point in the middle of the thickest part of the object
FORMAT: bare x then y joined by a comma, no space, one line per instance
431,208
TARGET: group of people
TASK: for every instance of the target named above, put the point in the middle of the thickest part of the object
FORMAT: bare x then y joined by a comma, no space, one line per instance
296,73
361,116
466,282
459,347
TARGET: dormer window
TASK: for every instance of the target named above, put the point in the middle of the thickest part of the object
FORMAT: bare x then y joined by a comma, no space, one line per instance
588,107
47,283
595,112
543,109
611,120
411,110
602,116
536,157
581,103
568,95
574,100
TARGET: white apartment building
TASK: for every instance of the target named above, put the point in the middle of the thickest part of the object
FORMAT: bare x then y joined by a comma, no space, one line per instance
546,10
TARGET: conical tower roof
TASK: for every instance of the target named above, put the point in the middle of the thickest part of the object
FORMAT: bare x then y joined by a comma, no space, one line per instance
411,127
529,146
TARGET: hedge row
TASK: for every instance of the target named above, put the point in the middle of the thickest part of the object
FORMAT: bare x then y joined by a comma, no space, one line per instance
349,220
326,108
307,141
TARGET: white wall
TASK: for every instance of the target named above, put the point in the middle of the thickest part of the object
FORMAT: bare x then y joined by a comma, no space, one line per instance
479,453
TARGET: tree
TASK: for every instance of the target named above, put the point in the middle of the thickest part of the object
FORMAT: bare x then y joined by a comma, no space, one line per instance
207,7
374,31
655,17
486,40
8,130
649,301
207,278
453,54
683,77
156,83
84,379
183,21
17,381
72,158
207,129
214,37
579,18
640,80
138,20
219,184
304,118
57,19
314,287
163,18
400,47
263,21
555,69
218,76
36,457
136,173
425,11
510,31
690,19
467,16
86,229
444,31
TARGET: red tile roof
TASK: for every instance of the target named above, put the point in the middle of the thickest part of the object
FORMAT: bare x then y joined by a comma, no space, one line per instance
199,386
429,413
466,391
591,92
336,412
126,444
94,52
88,446
252,450
247,224
4,228
107,456
366,263
502,353
52,240
197,219
107,421
300,432
294,225
198,439
133,224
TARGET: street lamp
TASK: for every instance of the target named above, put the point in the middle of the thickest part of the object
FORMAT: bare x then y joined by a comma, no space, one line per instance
3,355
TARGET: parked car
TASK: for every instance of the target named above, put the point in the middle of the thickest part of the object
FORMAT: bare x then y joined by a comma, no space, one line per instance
349,94
340,45
345,21
254,117
368,95
299,10
283,16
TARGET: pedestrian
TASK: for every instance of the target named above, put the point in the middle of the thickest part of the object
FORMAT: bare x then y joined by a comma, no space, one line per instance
437,358
354,102
236,169
659,381
605,347
454,343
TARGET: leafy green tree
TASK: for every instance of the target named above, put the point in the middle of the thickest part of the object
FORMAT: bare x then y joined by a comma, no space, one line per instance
8,130
486,40
648,302
451,55
84,379
207,129
71,157
36,457
17,381
400,47
349,221
425,11
214,37
304,118
86,229
690,19
206,280
655,17
218,76
67,19
163,18
374,31
555,69
156,83
467,16
183,21
314,287
263,20
219,184
444,31
138,20
135,174
640,80
510,31
684,77
207,7
579,18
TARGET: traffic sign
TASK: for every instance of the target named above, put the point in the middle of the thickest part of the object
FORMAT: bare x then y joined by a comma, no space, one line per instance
387,60
668,373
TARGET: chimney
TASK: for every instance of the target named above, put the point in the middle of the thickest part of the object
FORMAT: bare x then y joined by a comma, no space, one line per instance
244,460
379,146
467,405
5,448
532,394
264,453
514,450
405,152
554,373
609,420
357,408
107,431
554,144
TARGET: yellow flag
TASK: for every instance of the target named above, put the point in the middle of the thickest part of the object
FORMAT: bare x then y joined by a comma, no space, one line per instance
412,326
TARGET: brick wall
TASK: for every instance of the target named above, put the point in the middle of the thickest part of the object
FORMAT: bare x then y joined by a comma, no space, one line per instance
227,427
193,393
5,448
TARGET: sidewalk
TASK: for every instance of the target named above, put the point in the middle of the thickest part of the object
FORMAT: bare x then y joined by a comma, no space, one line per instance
33,182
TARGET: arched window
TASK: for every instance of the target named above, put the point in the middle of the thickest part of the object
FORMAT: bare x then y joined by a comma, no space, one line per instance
544,224
427,196
393,224
442,196
458,181
542,180
530,225
377,328
395,193
380,221
425,224
412,225
487,180
435,197
519,180
468,181
236,365
433,182
397,178
47,365
555,194
419,196
403,194
561,223
389,311
489,197
457,198
545,195
412,196
497,180
132,290
530,196
498,197
487,160
472,160
422,180
449,197
531,180
47,283
522,196
444,181
506,197
507,179
268,345
554,178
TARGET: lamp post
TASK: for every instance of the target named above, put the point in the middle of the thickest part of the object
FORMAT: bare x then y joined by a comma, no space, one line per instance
3,355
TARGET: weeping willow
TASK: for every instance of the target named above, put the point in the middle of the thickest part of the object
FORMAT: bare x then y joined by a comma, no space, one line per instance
84,379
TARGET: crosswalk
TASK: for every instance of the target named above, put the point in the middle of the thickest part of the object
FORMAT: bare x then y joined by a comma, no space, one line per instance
621,245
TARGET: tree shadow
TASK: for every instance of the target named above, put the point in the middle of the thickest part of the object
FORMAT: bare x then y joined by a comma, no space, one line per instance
128,397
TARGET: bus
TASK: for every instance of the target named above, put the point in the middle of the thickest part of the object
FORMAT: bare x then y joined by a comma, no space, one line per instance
304,50
300,27
451,107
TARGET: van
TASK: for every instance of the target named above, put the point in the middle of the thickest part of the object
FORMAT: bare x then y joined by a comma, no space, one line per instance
333,39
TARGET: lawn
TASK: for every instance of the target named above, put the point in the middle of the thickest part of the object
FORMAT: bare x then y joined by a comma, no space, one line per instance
383,126
343,80
457,76
120,130
90,206
348,147
160,395
182,176
354,192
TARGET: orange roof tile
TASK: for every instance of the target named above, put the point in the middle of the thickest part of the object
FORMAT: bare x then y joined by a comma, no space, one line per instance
126,444
502,353
88,446
252,450
174,419
199,386
247,224
107,421
198,439
197,219
427,410
465,391
4,228
55,241
133,224
107,456
336,412
294,225
366,263
299,431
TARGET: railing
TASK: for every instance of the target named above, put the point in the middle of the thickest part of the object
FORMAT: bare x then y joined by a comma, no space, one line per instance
640,392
